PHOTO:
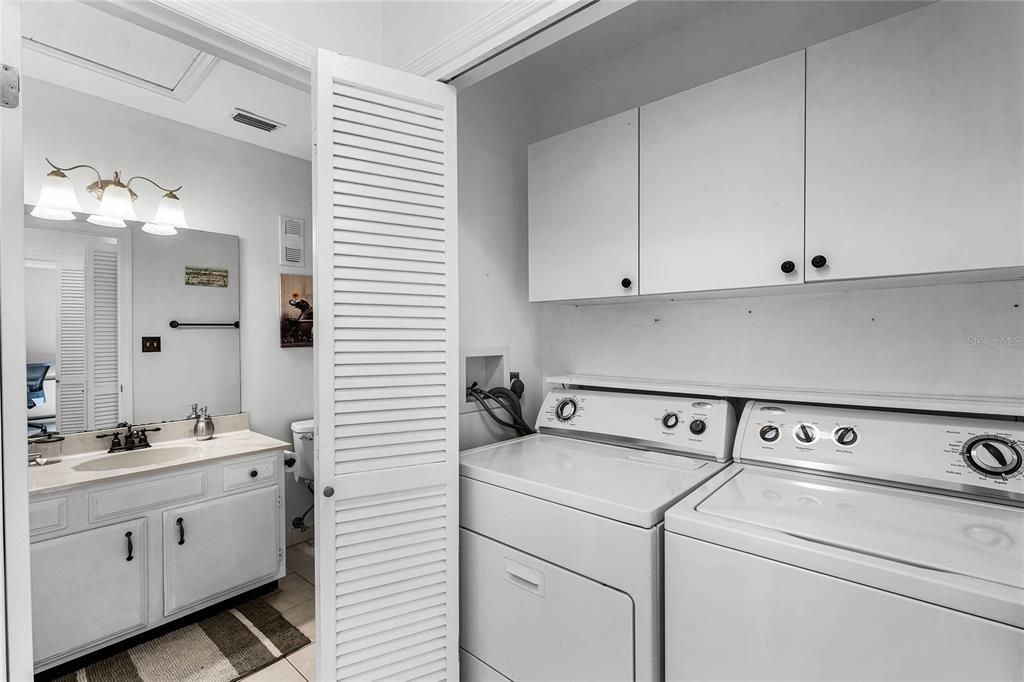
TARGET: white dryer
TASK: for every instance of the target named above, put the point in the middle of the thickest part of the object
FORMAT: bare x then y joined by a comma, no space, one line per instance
851,545
561,534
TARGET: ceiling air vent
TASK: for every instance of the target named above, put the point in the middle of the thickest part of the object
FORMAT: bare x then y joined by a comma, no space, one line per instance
293,245
255,120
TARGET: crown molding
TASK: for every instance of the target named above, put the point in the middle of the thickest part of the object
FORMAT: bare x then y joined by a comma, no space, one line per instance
513,31
222,32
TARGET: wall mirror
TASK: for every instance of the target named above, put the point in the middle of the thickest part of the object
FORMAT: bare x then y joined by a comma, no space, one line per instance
126,326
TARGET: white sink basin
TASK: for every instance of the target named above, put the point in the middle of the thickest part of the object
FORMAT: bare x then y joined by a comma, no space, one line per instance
139,458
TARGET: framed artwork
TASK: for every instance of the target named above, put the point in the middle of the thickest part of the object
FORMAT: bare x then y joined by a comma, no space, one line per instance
296,311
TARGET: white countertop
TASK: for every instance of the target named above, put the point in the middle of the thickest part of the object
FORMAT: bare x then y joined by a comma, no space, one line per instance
64,474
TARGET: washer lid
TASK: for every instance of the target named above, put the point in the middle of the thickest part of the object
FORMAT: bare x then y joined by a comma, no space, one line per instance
632,486
952,535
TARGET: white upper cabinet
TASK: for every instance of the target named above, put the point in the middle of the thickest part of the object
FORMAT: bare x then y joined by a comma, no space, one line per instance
584,203
722,183
915,144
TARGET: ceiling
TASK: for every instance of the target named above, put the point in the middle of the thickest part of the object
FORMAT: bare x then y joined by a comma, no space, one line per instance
144,70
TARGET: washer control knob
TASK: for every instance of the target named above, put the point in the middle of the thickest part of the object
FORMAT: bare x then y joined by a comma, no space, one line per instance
993,456
769,433
806,433
846,435
565,410
670,420
698,426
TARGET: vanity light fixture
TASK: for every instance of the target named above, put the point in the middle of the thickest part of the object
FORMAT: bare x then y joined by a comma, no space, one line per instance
57,201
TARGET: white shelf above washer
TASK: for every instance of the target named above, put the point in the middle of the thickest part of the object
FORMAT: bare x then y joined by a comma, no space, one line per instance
988,405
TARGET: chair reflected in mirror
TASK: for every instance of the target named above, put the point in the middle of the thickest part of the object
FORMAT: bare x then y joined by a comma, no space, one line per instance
42,418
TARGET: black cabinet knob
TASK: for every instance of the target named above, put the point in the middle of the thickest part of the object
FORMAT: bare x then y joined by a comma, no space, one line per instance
788,266
253,474
819,262
626,282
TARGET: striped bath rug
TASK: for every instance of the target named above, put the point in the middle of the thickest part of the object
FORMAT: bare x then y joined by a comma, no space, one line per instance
224,647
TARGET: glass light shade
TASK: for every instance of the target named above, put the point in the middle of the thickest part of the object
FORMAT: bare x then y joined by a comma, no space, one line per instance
57,198
105,221
115,207
170,212
160,229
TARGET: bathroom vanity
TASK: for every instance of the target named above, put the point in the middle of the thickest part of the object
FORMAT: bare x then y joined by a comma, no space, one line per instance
128,541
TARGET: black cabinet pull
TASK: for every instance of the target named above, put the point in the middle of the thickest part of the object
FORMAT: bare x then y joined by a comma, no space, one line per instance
819,262
788,266
626,282
181,530
253,474
131,548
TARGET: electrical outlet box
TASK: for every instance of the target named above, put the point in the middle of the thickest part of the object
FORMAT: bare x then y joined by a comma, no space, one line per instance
488,367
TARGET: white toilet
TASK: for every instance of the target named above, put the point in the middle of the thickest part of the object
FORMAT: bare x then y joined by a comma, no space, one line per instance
302,439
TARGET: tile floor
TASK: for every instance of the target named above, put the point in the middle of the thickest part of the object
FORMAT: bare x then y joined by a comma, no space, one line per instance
294,599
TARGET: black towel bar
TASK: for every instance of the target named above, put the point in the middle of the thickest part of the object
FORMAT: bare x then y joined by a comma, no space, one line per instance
175,324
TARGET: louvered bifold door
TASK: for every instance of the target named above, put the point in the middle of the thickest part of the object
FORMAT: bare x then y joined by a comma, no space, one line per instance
72,350
104,387
386,332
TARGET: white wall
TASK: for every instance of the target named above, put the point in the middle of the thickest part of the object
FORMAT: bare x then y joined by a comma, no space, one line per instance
41,314
229,187
936,340
493,309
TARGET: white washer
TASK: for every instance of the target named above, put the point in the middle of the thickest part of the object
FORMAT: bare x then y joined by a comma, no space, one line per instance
851,544
562,532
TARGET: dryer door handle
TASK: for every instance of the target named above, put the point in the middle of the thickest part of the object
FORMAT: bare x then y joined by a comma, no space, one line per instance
523,576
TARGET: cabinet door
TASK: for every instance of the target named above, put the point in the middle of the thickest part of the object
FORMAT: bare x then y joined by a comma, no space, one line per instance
915,144
583,211
214,547
88,587
722,183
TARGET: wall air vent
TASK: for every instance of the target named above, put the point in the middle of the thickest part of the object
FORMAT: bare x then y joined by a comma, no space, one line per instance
293,243
254,120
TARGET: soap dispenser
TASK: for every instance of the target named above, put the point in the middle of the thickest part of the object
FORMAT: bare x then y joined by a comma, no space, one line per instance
203,430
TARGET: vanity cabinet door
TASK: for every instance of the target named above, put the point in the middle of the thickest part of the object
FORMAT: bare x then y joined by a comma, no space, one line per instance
215,547
88,587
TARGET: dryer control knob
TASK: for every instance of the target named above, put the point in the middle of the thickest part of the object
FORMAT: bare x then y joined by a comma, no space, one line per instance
670,420
845,435
698,426
565,410
993,456
769,433
806,433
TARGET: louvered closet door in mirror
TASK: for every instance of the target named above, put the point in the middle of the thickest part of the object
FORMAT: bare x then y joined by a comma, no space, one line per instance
385,261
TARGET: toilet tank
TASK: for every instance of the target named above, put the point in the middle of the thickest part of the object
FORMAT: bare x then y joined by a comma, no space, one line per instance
302,439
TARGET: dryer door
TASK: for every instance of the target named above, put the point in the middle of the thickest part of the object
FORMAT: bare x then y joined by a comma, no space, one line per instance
531,620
